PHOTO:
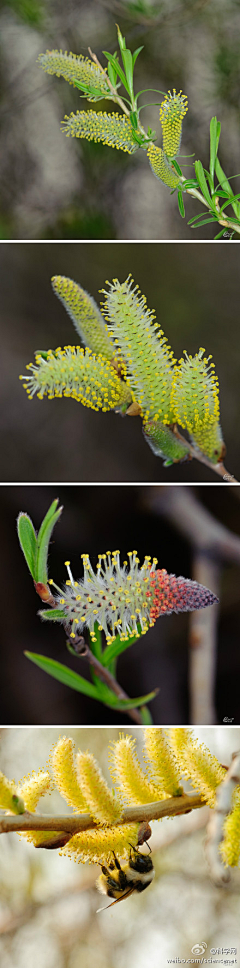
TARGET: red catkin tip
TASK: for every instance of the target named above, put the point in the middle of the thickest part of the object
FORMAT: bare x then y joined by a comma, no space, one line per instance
171,594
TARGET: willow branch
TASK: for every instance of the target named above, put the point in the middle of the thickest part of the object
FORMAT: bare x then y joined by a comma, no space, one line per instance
115,95
78,822
197,455
103,673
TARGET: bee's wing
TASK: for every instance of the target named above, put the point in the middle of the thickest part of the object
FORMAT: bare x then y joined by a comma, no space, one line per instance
127,893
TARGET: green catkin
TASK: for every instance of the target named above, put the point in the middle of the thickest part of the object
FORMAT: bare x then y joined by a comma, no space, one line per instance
197,763
73,68
114,130
172,111
73,372
161,762
195,399
161,167
85,315
142,345
163,442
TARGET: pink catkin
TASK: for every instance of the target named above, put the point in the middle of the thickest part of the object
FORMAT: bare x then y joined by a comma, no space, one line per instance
173,594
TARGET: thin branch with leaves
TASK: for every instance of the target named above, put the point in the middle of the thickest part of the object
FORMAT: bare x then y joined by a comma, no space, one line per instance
126,132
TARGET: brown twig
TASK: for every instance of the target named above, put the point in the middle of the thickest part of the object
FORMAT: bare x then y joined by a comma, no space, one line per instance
197,455
82,650
78,822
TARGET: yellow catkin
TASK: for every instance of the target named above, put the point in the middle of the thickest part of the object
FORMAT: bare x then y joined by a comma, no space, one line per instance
102,804
64,767
9,797
172,111
161,762
32,788
197,763
125,767
230,847
114,130
97,846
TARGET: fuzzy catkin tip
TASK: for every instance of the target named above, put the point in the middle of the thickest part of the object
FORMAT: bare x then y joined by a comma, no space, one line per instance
85,315
172,111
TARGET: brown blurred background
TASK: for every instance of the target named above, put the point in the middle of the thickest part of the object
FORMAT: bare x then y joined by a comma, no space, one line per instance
58,188
195,292
95,519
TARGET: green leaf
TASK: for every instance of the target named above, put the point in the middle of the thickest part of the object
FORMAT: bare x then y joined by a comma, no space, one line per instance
146,716
189,183
116,66
220,234
135,54
181,205
52,614
63,674
226,186
202,182
175,165
205,222
43,539
128,67
28,541
112,74
126,704
96,647
116,648
213,147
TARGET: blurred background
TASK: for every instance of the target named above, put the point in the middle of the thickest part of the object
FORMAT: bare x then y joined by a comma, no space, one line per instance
48,904
58,188
93,520
195,294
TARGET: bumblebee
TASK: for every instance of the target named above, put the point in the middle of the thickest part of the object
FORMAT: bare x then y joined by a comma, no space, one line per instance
119,882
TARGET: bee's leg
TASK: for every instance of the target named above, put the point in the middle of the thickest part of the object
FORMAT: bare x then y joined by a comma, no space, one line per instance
116,862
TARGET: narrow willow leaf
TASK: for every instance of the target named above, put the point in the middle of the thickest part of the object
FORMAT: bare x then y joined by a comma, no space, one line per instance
126,704
52,615
43,540
213,147
116,648
181,205
63,674
226,185
28,541
202,182
116,66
